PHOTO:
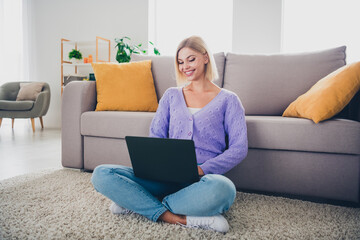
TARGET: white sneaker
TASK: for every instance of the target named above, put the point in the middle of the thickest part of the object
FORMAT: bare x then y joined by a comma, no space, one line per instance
217,223
116,209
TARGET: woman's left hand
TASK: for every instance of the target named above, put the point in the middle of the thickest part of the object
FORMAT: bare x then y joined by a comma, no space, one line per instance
201,172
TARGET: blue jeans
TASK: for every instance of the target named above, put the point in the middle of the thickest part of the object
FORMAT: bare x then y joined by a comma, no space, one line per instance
212,195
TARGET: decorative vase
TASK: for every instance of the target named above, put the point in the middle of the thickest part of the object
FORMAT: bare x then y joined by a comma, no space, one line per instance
75,61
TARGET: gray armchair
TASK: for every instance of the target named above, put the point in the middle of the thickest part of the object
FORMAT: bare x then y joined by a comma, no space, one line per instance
10,108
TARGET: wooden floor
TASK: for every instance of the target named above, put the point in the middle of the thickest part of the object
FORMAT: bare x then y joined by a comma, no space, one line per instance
22,151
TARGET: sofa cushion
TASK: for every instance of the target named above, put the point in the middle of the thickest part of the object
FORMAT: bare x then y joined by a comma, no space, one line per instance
16,105
328,96
264,132
163,70
267,84
116,124
283,133
125,87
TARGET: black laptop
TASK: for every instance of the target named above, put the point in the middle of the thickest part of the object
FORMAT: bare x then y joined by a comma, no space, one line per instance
163,159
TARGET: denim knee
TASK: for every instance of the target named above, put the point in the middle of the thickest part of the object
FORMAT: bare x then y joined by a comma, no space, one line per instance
223,190
99,176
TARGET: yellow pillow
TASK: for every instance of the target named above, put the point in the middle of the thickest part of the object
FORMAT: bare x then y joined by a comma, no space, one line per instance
125,87
328,96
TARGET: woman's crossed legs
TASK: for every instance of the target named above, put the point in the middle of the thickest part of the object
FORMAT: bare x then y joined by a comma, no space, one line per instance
212,195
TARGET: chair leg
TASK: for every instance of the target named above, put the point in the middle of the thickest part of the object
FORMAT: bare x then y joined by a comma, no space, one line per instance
0,121
41,122
33,124
12,122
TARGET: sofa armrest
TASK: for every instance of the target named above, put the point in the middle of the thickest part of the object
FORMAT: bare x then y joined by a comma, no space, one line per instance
78,97
41,105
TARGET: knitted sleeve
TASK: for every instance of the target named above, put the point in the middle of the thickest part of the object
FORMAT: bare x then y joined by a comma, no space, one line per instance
159,127
236,132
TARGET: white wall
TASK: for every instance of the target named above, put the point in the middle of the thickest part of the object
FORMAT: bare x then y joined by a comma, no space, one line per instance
78,20
174,21
256,29
257,26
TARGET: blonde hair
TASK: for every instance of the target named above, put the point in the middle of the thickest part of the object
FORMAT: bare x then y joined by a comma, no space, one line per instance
197,44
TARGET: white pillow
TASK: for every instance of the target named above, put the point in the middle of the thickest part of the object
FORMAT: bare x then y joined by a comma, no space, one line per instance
29,91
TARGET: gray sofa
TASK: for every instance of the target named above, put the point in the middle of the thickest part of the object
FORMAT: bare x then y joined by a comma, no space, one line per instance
286,155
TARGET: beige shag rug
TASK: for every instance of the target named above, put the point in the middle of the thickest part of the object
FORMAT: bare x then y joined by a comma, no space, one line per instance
62,204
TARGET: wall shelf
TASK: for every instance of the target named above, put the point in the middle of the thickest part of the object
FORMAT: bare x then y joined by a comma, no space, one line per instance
77,64
84,44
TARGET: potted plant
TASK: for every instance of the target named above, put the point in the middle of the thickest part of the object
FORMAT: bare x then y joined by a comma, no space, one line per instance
126,49
75,56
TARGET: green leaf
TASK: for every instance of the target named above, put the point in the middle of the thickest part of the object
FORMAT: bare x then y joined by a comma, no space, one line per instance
156,51
126,49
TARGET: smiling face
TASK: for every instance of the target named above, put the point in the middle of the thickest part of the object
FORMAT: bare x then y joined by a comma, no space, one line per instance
192,63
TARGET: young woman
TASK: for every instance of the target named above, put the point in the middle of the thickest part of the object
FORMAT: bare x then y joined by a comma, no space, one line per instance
214,119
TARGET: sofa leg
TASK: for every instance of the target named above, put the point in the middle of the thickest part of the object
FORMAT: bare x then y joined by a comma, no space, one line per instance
0,121
41,122
12,122
33,124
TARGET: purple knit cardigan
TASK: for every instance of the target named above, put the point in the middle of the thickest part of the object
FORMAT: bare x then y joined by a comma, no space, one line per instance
218,129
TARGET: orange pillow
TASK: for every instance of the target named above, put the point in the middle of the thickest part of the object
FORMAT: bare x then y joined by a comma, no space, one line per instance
125,87
328,96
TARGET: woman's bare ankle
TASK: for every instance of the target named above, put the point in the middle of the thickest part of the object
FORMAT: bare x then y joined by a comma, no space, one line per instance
172,218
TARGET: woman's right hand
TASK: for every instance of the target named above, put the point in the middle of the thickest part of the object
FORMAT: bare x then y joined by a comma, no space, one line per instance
200,171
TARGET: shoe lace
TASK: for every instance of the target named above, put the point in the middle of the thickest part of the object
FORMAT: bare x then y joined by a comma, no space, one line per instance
127,211
203,223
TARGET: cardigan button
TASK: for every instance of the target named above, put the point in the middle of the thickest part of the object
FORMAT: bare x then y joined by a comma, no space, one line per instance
190,119
190,133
